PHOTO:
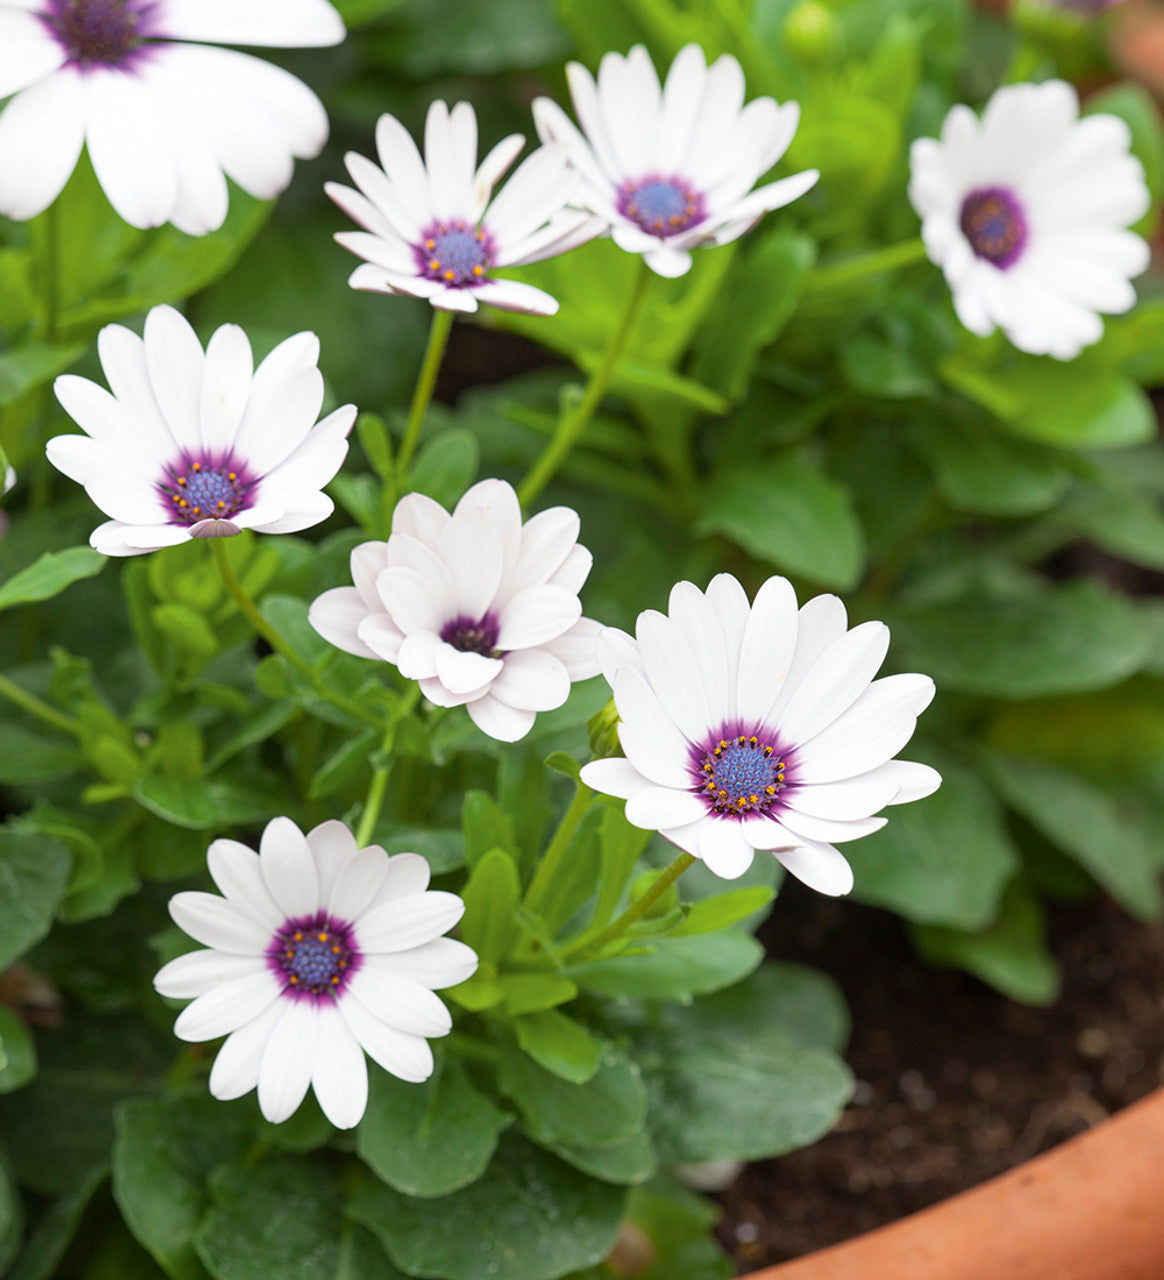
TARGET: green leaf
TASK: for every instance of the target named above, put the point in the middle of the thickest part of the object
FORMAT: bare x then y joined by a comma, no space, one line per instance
11,1217
1088,824
622,845
942,860
724,1084
559,1044
34,872
726,909
55,1230
491,895
17,1054
760,296
285,1218
626,1163
375,442
446,466
443,848
786,512
164,1151
1047,640
1077,405
30,365
608,1108
577,876
679,1225
672,968
345,767
980,471
485,826
429,1139
48,576
1120,520
530,1217
1011,955
535,992
26,757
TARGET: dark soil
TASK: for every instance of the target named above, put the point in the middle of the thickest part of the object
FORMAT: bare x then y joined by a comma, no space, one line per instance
955,1083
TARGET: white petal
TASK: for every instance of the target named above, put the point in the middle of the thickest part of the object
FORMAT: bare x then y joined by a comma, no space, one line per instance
236,871
226,386
357,883
537,614
916,780
830,829
577,650
217,923
333,846
695,618
340,1077
273,24
674,675
408,873
288,1060
405,1056
465,672
175,362
819,866
401,923
648,735
444,962
399,1000
616,649
289,869
499,720
123,360
131,152
723,847
225,1008
515,295
336,615
767,646
614,776
841,674
414,602
200,971
42,131
236,1069
820,622
856,797
28,52
531,680
657,808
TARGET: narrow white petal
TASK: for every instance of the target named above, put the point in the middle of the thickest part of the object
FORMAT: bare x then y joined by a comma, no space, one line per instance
531,680
200,971
399,1000
288,1060
407,874
414,602
357,883
819,866
471,548
841,674
657,808
516,295
236,1069
216,923
695,618
333,846
236,871
340,1077
227,1007
175,362
444,962
857,797
820,622
289,869
916,781
577,649
723,847
336,615
614,776
42,131
767,648
499,720
405,1056
139,421
226,387
830,829
537,614
465,672
283,24
616,649
674,675
650,738
401,923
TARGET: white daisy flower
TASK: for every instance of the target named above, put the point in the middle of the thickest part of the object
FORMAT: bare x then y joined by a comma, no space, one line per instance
163,121
1025,211
431,231
193,444
319,952
671,169
759,728
482,610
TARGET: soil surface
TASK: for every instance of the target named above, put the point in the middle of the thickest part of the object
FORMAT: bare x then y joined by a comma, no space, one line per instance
955,1083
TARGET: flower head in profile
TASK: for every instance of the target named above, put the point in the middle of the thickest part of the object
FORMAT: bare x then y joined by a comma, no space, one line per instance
432,228
317,953
672,168
199,444
166,116
1026,213
759,727
481,609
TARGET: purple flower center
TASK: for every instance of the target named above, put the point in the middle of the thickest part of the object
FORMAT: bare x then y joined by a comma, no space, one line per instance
992,221
661,206
314,956
740,775
201,489
455,253
471,635
105,32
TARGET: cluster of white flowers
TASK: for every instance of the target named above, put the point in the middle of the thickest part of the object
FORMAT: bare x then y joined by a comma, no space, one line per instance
745,726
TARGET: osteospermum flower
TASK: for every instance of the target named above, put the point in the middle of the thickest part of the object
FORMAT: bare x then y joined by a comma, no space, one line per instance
163,120
319,952
1025,211
671,169
193,444
431,231
482,610
759,728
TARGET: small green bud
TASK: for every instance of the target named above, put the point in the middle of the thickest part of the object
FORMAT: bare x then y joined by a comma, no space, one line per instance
603,730
810,32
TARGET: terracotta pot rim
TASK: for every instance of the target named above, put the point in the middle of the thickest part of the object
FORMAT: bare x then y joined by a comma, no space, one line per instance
1089,1209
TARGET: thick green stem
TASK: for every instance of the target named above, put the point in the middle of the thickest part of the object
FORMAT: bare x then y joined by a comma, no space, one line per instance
438,337
860,266
556,850
571,425
639,907
38,708
249,610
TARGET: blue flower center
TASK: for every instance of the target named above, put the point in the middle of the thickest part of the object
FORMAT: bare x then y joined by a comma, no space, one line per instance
455,253
471,635
661,206
741,775
94,31
992,221
314,960
195,491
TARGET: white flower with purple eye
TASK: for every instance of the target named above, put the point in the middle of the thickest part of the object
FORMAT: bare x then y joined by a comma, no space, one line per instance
165,123
672,169
759,728
1025,211
193,444
481,609
319,952
430,229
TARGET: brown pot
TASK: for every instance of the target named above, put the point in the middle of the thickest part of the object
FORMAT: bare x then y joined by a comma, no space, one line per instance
1091,1209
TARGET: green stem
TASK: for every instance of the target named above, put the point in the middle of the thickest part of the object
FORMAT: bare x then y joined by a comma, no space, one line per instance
862,265
438,337
548,867
639,907
249,610
52,272
571,425
36,707
376,789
